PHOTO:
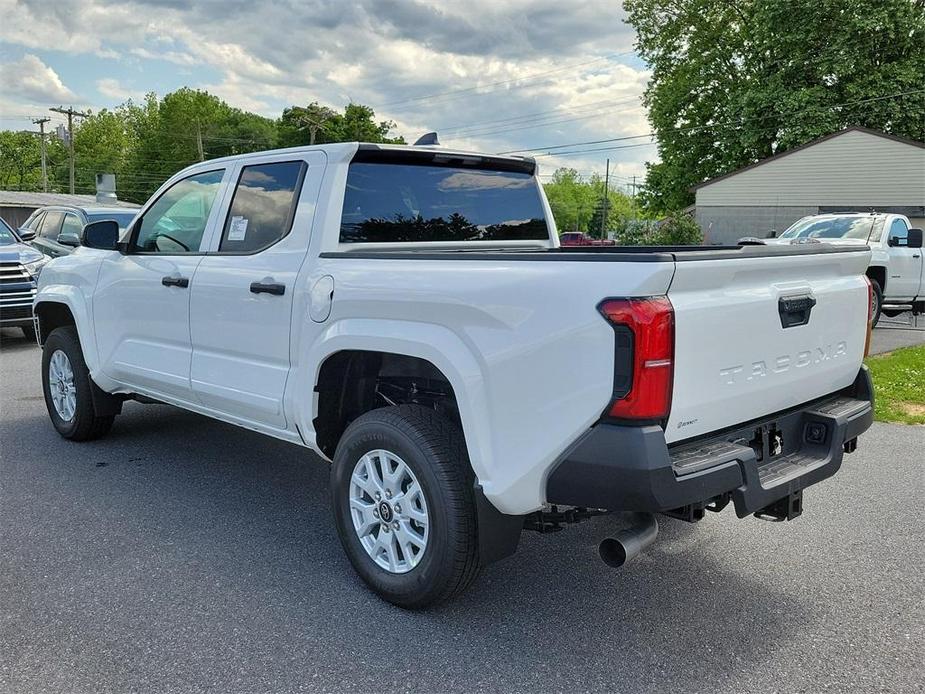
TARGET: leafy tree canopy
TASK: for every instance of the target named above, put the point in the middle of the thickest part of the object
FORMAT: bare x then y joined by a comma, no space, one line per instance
577,204
145,143
736,82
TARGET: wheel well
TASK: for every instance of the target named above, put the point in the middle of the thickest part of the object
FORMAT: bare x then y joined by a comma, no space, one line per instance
52,315
354,382
879,274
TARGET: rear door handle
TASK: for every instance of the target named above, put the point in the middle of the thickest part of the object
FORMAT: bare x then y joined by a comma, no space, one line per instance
268,288
175,281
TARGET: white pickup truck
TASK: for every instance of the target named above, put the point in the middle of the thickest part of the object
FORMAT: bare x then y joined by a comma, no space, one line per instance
406,313
896,271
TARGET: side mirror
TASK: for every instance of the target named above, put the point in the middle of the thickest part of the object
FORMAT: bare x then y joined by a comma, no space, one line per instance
67,238
25,234
103,235
914,240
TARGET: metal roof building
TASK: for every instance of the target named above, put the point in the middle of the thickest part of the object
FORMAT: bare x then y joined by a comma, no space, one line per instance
16,206
856,170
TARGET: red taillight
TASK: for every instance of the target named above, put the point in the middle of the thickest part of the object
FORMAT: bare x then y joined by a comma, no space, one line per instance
651,322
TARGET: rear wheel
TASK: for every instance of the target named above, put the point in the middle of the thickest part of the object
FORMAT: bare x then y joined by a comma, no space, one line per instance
67,388
876,301
404,505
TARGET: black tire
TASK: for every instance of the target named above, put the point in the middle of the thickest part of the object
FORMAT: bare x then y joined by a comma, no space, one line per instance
878,297
85,425
28,332
434,450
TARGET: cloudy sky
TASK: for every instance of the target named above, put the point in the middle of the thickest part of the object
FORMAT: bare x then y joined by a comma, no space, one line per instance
489,75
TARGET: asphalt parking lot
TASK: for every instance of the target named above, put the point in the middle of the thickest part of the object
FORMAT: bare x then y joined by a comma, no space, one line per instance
181,554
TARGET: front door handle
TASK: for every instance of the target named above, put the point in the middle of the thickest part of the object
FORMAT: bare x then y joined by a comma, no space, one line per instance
175,281
268,288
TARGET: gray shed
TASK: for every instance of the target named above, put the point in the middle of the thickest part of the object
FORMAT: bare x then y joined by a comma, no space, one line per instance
856,170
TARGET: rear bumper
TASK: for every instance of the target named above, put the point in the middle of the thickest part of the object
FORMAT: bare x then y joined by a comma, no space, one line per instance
627,468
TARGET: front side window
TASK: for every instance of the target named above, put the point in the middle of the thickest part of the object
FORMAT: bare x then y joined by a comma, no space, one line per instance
51,225
34,221
899,230
263,206
176,222
413,203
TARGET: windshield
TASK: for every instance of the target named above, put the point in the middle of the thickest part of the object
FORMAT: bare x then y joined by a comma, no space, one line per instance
831,228
6,234
123,219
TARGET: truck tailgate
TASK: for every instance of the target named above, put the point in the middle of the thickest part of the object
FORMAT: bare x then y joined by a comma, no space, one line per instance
742,350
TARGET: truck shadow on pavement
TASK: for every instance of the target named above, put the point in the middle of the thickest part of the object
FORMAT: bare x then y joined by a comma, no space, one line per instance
199,530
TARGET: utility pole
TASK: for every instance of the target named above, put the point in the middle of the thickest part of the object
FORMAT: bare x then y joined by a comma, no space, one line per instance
606,200
41,123
70,113
202,155
634,196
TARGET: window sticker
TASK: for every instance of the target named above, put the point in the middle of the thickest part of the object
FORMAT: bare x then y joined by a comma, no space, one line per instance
238,229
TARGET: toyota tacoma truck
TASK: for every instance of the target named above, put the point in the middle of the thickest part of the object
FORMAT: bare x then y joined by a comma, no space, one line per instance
896,270
407,314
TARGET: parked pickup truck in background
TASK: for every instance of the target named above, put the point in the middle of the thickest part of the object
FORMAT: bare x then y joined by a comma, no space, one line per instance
578,238
896,271
407,313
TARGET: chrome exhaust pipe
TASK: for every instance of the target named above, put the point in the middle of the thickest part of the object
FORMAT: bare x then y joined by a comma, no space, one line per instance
629,542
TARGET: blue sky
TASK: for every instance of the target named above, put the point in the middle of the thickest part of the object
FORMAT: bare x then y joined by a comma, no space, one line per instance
488,75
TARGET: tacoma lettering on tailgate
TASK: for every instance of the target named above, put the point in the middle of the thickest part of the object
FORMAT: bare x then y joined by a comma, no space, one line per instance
758,369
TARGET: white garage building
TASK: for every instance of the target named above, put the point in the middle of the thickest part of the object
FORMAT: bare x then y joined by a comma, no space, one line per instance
856,170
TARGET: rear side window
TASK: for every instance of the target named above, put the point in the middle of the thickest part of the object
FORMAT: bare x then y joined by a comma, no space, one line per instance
416,203
72,225
263,206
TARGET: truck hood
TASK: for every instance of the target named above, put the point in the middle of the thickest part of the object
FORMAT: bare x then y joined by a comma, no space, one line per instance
18,253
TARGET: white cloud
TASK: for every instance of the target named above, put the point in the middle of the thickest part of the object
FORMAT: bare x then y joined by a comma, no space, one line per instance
113,89
566,63
30,79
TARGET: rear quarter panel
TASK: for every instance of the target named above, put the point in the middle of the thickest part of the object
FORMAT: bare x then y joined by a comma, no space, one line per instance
529,357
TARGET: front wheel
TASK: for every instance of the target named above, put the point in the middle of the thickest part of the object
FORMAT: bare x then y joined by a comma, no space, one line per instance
404,506
67,387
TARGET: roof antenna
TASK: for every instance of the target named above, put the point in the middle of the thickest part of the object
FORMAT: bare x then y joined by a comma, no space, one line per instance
427,139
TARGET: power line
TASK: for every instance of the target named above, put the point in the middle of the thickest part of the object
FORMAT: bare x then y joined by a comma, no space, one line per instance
715,125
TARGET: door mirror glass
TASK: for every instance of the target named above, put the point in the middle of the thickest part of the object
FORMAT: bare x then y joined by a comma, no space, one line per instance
25,234
68,238
103,235
914,240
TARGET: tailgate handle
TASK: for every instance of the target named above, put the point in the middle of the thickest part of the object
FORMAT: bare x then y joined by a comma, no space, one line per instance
795,310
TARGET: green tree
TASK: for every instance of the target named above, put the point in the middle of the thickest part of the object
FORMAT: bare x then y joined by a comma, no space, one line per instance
736,82
20,160
317,124
577,204
675,229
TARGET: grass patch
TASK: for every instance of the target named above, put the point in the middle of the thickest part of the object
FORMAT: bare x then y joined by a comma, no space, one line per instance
899,385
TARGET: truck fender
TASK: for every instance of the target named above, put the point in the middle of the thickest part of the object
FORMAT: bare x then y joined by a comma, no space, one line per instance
434,343
76,303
